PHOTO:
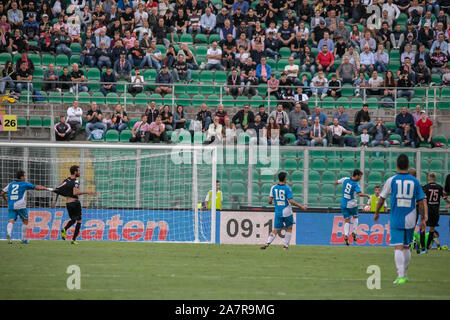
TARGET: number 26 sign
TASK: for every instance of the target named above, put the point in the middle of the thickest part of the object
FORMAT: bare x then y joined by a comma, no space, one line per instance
8,123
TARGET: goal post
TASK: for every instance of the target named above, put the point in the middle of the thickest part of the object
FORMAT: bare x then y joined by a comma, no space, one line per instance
144,192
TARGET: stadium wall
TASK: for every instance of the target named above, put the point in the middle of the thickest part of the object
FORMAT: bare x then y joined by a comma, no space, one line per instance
232,227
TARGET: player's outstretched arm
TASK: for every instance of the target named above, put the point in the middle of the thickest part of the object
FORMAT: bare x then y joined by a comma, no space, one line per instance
377,211
78,192
363,195
43,188
270,200
292,202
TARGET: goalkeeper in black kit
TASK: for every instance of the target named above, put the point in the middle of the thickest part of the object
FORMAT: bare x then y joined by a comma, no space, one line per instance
69,189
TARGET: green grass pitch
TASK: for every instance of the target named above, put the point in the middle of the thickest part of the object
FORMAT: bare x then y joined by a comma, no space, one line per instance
119,270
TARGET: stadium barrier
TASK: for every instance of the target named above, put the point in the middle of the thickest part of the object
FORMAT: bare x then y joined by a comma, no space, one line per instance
233,227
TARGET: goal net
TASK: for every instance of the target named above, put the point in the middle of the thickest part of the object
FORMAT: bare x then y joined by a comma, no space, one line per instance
143,192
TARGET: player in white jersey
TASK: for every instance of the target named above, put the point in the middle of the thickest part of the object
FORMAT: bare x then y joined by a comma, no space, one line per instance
405,190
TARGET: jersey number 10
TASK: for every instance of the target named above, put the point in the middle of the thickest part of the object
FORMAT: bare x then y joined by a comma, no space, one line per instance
405,192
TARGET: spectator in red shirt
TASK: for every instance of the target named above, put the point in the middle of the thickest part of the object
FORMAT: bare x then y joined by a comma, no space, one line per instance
325,60
424,128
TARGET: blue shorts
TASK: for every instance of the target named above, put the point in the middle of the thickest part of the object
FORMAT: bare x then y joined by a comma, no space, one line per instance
22,213
283,222
349,212
401,237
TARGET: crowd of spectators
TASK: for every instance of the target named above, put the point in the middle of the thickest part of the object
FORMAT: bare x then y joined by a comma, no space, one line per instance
351,38
277,127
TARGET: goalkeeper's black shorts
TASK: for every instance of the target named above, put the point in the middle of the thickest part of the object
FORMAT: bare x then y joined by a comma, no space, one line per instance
74,210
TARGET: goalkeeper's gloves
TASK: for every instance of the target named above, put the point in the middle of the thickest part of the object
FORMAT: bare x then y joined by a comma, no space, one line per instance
50,189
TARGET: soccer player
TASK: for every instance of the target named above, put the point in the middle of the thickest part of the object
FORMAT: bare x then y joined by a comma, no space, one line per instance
433,192
284,218
17,203
69,189
373,200
435,239
405,190
349,206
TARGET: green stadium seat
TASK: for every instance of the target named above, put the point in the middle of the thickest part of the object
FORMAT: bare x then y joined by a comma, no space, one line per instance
333,164
5,56
290,164
207,90
112,98
35,58
98,97
228,101
112,136
291,138
241,101
75,58
328,103
348,164
297,190
378,165
282,63
62,60
198,99
297,176
84,98
186,38
374,177
372,102
212,100
402,102
318,164
200,38
313,189
125,136
437,165
206,76
314,176
213,37
328,177
141,99
47,122
75,47
347,90
237,175
54,97
184,100
46,59
343,101
238,189
35,122
220,77
285,52
327,190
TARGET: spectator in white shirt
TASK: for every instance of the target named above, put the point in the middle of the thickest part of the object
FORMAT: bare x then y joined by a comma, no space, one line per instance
336,132
74,119
137,80
292,72
208,21
367,60
381,59
392,9
214,56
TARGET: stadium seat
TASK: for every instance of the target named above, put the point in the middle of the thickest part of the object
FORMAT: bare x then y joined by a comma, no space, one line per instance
313,189
333,164
112,136
238,189
112,98
125,136
200,38
228,101
318,164
314,176
98,97
327,190
198,99
297,189
186,38
220,77
184,100
348,164
374,177
62,60
141,99
328,177
356,103
297,176
328,103
282,63
5,56
35,122
54,97
290,164
378,165
213,37
291,138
